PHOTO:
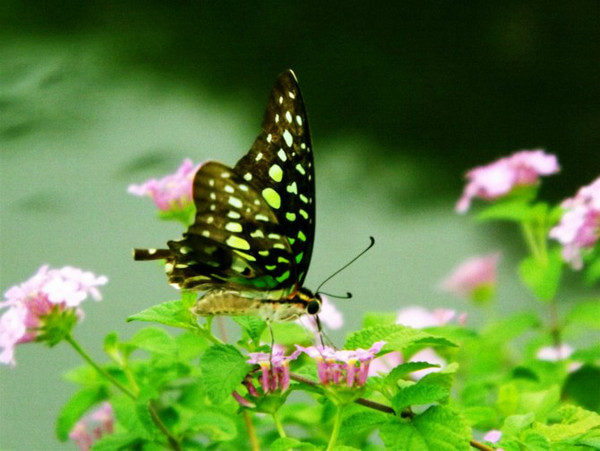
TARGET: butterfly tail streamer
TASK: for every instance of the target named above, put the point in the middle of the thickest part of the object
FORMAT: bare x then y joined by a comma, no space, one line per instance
151,254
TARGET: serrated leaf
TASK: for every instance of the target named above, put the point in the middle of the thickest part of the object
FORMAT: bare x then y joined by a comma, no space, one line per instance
418,394
154,340
362,422
217,426
171,313
575,422
75,408
396,336
542,276
405,369
253,325
438,428
288,443
223,369
191,345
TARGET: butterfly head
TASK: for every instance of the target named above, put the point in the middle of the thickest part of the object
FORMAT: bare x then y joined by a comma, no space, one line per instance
312,302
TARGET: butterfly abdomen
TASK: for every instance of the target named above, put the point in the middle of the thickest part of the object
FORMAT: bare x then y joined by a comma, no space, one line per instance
152,254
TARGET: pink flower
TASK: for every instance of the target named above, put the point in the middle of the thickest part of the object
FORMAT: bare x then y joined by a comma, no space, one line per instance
499,178
348,368
474,279
493,436
93,426
49,293
420,317
275,369
579,227
172,192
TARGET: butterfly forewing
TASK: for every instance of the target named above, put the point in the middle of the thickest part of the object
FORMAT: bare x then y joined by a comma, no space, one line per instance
280,168
235,239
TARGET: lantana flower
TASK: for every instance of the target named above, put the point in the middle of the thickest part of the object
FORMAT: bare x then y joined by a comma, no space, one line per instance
346,368
93,426
474,279
171,193
579,227
499,178
45,307
274,374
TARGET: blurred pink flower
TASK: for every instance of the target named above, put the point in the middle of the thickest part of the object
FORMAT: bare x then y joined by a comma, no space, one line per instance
30,303
500,177
420,317
579,227
475,278
172,192
430,356
275,368
493,436
93,426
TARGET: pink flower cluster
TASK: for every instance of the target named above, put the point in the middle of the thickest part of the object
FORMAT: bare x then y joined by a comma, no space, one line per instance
172,192
48,291
275,374
93,426
349,368
579,227
473,275
501,177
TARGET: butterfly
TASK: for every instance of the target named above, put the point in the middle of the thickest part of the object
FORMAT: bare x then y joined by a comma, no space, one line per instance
251,242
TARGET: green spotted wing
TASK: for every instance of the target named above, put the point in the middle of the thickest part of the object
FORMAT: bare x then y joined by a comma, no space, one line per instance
255,223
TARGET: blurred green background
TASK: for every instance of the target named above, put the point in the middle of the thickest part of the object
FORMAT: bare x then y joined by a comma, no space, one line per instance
403,98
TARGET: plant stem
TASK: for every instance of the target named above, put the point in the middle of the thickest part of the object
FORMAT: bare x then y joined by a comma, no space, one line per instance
337,423
98,368
481,446
278,425
173,442
530,239
251,431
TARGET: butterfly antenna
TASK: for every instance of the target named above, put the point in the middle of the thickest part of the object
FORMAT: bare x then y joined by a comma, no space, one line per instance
348,295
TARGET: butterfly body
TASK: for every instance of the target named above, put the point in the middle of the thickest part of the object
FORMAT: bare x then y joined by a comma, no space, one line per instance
250,245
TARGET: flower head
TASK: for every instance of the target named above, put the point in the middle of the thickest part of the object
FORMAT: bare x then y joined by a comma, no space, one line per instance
348,368
493,436
420,317
172,192
554,353
579,227
93,426
45,307
474,279
501,177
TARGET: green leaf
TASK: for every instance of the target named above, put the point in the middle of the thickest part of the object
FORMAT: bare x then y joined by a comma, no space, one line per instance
586,314
592,270
253,325
481,417
217,426
362,422
405,369
591,438
508,399
396,336
574,422
511,327
75,408
438,428
154,340
188,299
514,210
171,313
514,424
191,345
223,370
542,276
418,394
135,417
116,441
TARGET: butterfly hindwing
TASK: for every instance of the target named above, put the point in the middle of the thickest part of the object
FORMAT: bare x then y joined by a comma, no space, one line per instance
235,239
280,168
